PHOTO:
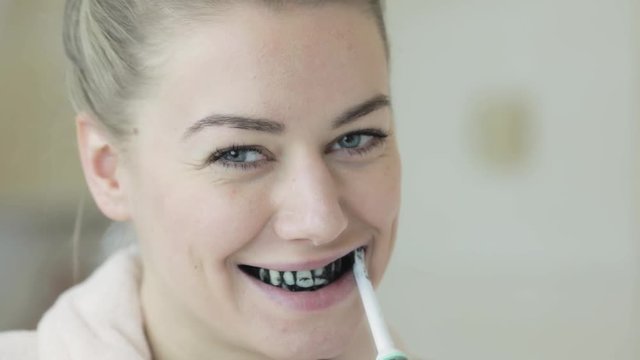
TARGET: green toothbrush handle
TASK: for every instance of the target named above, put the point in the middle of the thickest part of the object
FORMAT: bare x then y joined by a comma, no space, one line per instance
394,355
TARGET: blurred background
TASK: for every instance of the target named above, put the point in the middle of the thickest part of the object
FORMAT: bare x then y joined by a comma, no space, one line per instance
519,126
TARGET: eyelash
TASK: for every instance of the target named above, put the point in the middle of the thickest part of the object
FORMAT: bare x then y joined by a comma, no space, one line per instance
217,157
378,138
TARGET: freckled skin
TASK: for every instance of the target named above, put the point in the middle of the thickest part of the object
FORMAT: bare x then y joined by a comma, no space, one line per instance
197,223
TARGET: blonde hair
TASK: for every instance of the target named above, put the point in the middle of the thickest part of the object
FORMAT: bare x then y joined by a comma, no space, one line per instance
110,44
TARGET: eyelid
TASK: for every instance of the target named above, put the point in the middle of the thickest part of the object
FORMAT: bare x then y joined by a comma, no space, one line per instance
376,133
217,156
218,153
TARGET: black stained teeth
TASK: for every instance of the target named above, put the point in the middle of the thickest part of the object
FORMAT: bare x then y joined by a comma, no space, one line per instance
304,280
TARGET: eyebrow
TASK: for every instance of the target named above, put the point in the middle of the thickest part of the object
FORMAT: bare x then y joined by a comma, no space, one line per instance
273,127
361,110
236,122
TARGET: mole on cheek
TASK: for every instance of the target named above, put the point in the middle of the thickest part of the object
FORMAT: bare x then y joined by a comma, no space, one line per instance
233,193
195,261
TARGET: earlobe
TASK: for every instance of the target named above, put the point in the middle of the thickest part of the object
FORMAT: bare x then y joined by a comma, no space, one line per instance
101,165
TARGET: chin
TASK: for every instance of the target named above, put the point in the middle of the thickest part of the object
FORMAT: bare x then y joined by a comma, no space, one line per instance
309,350
312,340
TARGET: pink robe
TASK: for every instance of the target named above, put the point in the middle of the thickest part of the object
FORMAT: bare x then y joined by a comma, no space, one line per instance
99,319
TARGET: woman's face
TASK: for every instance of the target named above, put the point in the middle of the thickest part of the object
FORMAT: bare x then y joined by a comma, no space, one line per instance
267,150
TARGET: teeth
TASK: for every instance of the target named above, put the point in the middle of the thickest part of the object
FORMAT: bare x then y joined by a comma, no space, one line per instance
275,277
320,281
304,279
263,274
288,278
318,278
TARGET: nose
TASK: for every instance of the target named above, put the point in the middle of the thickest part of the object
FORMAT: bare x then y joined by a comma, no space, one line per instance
308,203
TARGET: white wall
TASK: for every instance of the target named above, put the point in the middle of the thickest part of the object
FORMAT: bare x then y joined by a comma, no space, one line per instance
537,259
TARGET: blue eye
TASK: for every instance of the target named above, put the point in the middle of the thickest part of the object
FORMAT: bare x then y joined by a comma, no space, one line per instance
248,157
358,142
243,157
351,141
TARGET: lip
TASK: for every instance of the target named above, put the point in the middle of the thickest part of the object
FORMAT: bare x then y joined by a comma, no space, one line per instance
340,291
305,265
307,301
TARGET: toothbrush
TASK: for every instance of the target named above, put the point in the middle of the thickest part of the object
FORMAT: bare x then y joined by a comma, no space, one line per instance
384,344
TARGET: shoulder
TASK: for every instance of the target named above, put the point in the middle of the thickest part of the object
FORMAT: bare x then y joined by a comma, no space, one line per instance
18,345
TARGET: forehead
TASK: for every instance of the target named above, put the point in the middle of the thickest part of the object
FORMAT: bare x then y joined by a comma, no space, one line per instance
266,62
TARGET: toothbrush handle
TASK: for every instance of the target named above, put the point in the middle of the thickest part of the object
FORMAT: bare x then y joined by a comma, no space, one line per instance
393,355
381,336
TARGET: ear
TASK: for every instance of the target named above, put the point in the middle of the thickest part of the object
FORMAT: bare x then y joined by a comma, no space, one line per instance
102,167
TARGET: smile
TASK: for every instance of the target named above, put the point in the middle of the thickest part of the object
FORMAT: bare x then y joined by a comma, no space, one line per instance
303,280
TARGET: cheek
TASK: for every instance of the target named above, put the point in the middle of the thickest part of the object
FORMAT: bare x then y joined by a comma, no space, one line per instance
194,222
375,197
375,194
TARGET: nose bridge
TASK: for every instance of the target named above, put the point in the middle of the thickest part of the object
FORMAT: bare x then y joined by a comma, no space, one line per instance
309,202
